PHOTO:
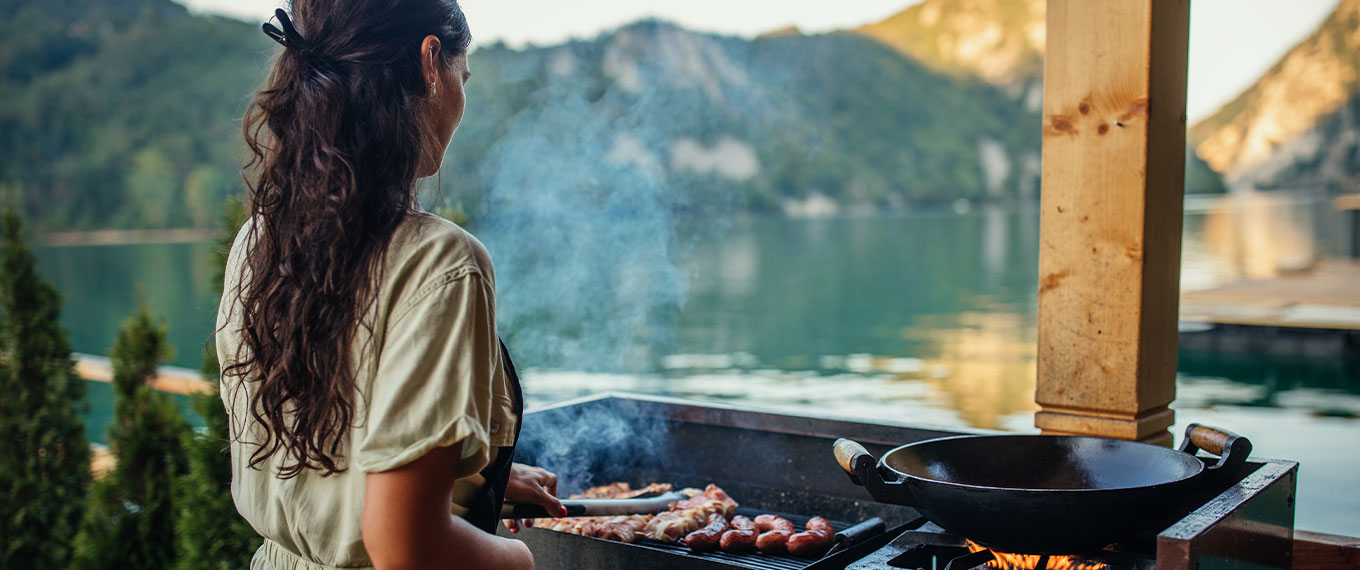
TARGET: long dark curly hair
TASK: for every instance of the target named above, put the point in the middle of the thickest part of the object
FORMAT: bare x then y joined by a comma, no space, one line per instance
335,138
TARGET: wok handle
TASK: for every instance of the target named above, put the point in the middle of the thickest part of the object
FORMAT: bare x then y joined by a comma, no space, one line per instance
862,467
848,452
1232,449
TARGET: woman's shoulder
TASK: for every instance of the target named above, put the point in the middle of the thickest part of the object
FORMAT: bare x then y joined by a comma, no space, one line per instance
236,255
426,247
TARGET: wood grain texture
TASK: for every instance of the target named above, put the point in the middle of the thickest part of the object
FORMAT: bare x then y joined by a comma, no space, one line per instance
1318,551
1113,172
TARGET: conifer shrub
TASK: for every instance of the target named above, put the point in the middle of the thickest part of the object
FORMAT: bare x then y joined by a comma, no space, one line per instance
211,535
130,514
44,455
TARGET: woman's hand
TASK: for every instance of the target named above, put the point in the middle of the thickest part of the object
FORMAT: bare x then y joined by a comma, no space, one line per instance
534,486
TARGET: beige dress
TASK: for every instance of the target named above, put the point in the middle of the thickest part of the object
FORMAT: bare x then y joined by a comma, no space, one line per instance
431,377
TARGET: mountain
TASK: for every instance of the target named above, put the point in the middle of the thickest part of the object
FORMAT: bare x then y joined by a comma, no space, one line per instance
999,41
762,124
125,113
1299,125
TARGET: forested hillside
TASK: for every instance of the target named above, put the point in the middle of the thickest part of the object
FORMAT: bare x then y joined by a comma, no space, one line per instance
125,114
724,122
122,113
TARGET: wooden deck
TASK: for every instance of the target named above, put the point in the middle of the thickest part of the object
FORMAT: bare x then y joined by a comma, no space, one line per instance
168,378
1347,202
1324,298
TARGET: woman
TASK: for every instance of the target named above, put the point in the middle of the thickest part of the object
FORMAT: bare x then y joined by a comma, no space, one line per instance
369,395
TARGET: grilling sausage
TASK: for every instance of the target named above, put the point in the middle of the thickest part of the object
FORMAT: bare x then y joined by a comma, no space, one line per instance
815,542
741,537
707,538
774,534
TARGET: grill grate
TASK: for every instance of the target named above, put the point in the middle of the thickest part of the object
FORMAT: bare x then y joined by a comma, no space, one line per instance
930,546
752,561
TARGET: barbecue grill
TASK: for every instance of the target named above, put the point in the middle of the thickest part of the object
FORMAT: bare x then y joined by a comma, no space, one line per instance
782,463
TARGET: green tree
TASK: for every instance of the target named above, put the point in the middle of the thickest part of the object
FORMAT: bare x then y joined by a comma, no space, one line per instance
44,456
151,190
203,195
210,534
129,518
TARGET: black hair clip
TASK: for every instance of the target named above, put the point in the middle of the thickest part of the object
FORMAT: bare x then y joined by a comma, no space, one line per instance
289,36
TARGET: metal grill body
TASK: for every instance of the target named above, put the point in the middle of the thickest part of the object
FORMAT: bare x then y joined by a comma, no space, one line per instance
782,463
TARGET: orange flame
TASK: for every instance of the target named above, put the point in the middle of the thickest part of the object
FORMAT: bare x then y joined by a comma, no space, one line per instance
1006,561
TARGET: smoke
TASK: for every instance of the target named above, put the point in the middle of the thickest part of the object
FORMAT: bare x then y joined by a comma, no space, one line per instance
582,198
587,445
585,248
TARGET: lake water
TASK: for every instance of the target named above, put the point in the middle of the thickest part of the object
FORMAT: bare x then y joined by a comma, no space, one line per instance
927,317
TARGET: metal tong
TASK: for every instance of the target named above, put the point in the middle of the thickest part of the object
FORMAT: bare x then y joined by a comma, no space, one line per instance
596,507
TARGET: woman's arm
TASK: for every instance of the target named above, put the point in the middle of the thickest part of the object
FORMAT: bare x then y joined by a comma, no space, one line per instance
407,524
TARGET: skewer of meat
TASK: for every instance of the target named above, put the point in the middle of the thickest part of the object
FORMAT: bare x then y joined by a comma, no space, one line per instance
815,542
729,504
690,514
650,490
620,528
684,517
624,528
774,534
670,526
609,491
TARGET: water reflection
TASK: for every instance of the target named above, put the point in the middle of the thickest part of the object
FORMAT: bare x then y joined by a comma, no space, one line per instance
1323,386
792,291
987,366
927,317
1256,235
102,285
99,411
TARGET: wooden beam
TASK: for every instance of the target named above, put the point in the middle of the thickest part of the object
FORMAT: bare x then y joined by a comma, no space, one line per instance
1113,187
1318,551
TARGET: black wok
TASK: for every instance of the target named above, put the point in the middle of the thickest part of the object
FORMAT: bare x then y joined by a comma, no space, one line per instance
1046,494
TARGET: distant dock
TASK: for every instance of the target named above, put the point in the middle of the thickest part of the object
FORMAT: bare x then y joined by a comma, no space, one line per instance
1316,312
127,237
172,379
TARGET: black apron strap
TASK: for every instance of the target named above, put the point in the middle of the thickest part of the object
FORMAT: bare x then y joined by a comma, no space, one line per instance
486,511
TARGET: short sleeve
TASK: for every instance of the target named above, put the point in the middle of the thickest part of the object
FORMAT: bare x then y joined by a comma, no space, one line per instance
436,369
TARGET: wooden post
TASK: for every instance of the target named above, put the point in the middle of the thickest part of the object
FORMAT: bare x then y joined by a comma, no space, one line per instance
1113,191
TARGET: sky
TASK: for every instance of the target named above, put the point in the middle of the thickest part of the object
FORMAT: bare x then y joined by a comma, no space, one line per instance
1232,42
